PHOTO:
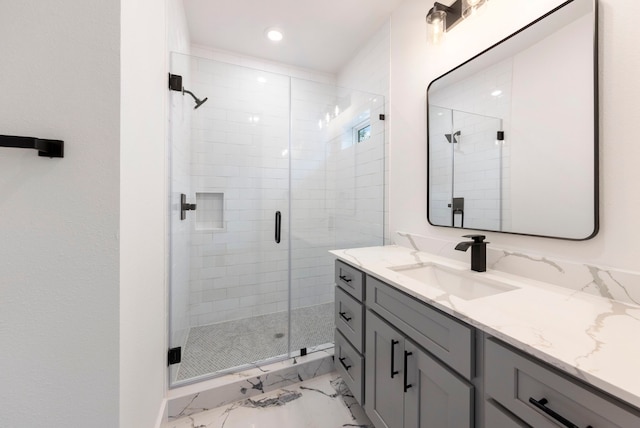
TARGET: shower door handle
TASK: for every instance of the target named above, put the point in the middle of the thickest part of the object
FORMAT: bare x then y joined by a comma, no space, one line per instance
278,226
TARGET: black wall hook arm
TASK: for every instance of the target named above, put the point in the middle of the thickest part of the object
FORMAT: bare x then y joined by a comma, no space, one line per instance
45,148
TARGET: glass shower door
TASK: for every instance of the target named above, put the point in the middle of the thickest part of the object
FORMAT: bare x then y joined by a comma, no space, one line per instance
337,197
229,256
280,170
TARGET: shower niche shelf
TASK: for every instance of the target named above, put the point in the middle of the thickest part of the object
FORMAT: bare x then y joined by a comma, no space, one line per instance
210,212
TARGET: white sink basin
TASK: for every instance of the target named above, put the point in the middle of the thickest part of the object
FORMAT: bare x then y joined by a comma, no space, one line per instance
464,284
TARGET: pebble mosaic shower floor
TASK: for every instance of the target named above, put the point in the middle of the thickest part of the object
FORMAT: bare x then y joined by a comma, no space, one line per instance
222,346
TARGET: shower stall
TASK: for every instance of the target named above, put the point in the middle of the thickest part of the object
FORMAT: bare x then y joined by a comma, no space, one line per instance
265,177
469,170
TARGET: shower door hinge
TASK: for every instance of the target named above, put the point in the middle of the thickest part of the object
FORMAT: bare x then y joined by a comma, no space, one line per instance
381,117
175,355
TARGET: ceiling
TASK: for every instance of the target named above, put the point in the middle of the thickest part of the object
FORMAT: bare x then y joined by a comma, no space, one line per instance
320,35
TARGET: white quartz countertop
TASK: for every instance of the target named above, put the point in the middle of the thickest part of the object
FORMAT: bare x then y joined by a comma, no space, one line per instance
592,338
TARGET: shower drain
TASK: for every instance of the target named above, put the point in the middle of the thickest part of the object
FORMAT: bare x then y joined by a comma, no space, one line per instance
278,335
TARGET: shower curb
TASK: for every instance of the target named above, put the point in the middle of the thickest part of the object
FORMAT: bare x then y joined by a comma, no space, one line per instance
199,397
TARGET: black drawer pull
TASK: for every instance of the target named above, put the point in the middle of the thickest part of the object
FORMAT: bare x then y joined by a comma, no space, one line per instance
406,356
542,406
344,316
345,278
393,357
346,367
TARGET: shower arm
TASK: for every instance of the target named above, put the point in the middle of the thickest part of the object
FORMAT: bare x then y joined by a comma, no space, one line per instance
190,93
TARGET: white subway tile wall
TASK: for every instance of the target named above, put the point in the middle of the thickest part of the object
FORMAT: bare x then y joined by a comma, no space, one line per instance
368,71
240,148
482,165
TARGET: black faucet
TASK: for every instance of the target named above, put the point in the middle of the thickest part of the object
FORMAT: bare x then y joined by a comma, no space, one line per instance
478,251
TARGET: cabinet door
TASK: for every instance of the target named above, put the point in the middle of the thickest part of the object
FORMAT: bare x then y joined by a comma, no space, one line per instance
384,399
435,397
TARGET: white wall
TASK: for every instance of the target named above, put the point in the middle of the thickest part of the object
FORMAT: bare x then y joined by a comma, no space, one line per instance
59,245
143,88
414,65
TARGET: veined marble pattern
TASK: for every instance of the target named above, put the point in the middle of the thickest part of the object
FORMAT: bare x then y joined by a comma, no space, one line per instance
588,336
209,394
322,402
615,284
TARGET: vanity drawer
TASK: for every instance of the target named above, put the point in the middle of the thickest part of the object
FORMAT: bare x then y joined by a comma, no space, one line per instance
448,339
350,279
350,364
496,417
514,380
350,318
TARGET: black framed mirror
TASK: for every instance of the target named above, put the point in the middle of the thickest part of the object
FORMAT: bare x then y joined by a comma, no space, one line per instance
512,136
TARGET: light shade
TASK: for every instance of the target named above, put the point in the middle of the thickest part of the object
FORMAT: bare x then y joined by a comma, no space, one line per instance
470,7
436,22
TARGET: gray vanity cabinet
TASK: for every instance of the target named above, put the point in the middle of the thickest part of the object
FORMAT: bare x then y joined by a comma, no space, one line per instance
542,397
436,397
349,322
407,387
384,373
413,366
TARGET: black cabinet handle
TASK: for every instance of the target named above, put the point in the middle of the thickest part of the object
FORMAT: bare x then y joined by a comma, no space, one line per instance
542,406
344,317
393,357
278,226
346,367
345,278
406,356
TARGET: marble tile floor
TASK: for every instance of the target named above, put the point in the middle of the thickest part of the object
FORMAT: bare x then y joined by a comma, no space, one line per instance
321,402
216,347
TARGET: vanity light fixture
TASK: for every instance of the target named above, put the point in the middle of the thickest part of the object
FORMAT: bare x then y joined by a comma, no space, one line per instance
442,19
470,7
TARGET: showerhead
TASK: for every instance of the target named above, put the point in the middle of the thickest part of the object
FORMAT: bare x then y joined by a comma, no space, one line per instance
198,101
453,138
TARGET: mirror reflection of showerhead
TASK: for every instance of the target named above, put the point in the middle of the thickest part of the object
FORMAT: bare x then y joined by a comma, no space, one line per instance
198,101
455,138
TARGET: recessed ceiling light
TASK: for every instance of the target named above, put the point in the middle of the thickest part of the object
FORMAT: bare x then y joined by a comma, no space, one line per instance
274,34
